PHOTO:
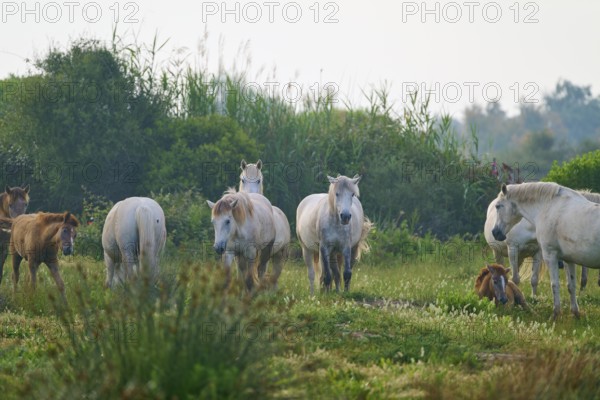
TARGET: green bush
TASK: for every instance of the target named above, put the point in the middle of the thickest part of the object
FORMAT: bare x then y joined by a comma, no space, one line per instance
582,172
185,339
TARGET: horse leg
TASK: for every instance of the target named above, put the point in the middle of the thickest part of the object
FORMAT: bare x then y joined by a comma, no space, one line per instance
552,263
498,257
535,271
572,285
584,277
278,262
33,267
325,253
3,255
16,260
334,264
110,270
265,255
53,267
308,256
598,278
513,259
347,253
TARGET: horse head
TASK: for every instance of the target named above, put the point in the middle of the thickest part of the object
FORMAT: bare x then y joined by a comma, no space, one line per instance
508,215
226,214
251,178
499,281
341,194
68,233
18,200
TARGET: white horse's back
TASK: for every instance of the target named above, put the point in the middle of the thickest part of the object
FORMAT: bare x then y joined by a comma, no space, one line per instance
134,233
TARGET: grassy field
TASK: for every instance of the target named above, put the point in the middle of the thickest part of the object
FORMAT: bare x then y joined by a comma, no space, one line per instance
408,329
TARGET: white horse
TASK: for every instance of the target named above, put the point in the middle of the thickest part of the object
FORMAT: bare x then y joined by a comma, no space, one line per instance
559,215
521,243
244,229
329,224
251,181
134,233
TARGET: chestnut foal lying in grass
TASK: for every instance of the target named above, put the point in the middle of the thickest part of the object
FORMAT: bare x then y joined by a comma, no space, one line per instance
494,284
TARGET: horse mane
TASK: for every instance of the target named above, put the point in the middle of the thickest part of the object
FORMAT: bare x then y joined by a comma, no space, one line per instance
54,218
533,191
341,183
485,272
591,196
243,208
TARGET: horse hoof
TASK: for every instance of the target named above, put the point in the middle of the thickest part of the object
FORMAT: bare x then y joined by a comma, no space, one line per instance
576,314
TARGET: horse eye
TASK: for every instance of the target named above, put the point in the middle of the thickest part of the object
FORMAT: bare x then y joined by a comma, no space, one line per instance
65,230
337,194
258,181
227,221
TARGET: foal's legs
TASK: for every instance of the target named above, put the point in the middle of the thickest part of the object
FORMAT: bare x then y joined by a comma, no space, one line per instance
572,285
33,267
53,267
16,260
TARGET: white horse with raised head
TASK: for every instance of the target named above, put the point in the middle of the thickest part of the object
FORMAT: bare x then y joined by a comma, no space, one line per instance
521,243
558,215
133,237
251,181
329,224
244,229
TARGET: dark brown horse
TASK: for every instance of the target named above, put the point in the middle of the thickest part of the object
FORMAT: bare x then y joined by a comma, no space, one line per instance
494,284
37,238
13,202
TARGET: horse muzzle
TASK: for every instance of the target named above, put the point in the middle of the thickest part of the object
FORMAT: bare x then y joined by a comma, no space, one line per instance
67,250
219,248
503,300
345,218
498,234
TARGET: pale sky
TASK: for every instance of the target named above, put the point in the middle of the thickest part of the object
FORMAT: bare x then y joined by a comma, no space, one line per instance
363,44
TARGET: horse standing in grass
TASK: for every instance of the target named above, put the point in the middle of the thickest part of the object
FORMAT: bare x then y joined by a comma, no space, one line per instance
567,227
133,237
13,202
244,229
494,284
521,243
37,238
328,224
251,181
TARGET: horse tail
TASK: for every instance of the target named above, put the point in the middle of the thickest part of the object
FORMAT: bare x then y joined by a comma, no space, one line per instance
363,245
147,241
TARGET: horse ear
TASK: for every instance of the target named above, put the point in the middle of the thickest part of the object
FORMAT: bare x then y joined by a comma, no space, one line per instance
7,189
356,179
259,164
489,267
504,189
243,165
234,203
210,204
331,179
67,217
26,189
507,270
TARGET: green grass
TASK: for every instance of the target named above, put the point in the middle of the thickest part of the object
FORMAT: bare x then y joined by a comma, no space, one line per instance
409,330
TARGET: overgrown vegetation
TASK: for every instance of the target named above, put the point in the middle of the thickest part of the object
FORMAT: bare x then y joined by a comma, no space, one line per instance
127,127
